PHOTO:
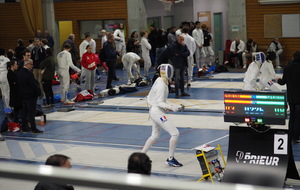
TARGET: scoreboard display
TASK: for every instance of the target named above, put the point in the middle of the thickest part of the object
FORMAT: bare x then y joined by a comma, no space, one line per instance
255,107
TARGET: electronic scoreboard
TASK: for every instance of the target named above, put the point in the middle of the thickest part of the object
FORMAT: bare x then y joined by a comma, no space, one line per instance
255,107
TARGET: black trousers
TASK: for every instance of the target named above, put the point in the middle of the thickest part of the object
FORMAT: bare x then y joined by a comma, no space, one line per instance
294,121
232,55
47,85
179,79
111,74
28,112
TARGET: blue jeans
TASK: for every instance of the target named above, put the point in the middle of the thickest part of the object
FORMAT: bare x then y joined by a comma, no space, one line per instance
2,113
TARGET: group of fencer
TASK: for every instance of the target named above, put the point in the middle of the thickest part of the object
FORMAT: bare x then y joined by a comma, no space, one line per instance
261,68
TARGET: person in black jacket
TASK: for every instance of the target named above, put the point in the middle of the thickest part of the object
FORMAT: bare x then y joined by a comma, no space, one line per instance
56,160
48,68
14,97
291,78
178,54
29,91
133,45
111,55
20,49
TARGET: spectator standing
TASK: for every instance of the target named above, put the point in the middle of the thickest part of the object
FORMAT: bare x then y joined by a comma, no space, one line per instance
199,39
19,49
277,48
120,39
49,39
208,51
133,45
4,86
153,41
56,160
161,44
64,63
103,38
237,49
178,56
111,55
38,54
139,163
26,55
14,97
251,47
191,45
29,91
31,45
44,43
39,35
73,51
171,35
48,69
291,78
88,63
146,47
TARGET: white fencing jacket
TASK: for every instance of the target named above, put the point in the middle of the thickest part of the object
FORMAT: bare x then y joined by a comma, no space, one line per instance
198,36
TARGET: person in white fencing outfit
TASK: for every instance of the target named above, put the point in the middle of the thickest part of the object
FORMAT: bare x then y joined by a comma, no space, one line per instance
199,39
268,73
120,39
253,72
191,45
4,85
157,100
277,48
131,61
64,62
146,47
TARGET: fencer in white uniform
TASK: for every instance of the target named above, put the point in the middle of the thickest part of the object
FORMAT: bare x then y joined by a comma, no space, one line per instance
157,100
131,61
146,47
253,72
64,62
4,85
120,39
191,45
268,74
199,39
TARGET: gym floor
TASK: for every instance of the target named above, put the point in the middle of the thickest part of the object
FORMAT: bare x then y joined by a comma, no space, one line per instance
101,136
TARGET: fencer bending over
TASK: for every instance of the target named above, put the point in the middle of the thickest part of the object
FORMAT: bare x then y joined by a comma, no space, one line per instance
132,61
268,73
157,98
253,72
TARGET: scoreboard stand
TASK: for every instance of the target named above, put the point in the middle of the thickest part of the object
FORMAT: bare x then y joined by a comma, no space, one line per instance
258,154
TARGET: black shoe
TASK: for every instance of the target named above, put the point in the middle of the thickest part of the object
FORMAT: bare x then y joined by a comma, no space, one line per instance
184,94
36,131
2,139
189,84
26,131
176,96
116,79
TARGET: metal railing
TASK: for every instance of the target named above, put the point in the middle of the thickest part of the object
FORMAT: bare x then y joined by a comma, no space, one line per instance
107,180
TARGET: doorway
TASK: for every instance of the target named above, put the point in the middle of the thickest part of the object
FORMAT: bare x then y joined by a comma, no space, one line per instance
65,29
218,32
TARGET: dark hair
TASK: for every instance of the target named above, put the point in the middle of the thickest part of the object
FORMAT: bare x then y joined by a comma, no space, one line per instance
109,36
152,25
57,160
49,52
20,42
271,55
26,51
31,41
11,63
87,47
204,26
139,163
249,41
44,41
67,46
142,33
9,54
185,30
87,34
197,22
2,51
132,34
297,56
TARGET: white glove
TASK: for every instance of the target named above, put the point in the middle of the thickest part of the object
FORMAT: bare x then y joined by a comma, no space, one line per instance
175,108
